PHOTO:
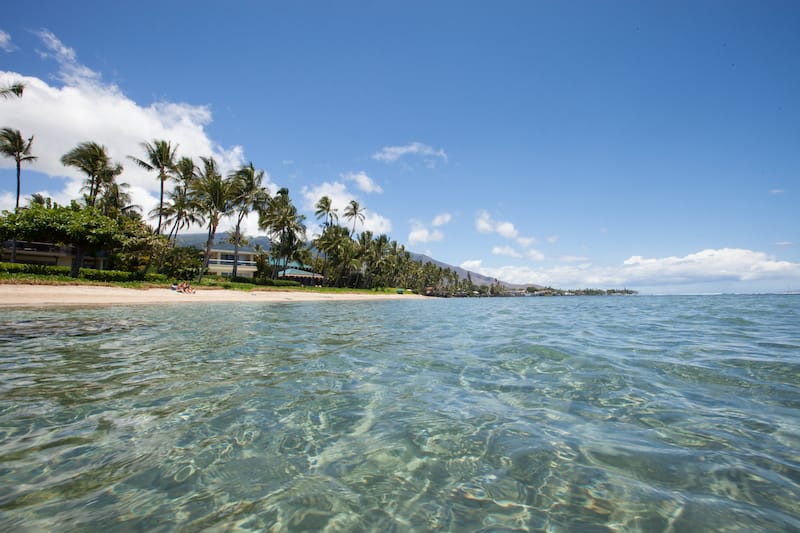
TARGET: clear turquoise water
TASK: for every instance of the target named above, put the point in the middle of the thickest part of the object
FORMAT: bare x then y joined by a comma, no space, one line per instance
531,414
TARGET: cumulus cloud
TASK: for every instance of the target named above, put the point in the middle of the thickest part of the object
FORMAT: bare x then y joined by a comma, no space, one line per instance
340,198
471,264
505,250
363,182
534,254
710,265
485,224
420,232
5,42
390,154
573,259
81,107
441,220
732,268
375,223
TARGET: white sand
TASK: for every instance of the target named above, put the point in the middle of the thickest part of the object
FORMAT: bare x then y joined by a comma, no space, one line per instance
57,295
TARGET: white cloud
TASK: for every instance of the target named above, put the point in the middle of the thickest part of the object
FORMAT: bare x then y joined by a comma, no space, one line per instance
84,108
784,243
573,259
363,182
340,198
390,154
485,224
375,223
5,42
471,264
526,241
506,229
718,265
441,220
534,254
505,250
7,201
420,234
712,270
552,239
336,191
776,191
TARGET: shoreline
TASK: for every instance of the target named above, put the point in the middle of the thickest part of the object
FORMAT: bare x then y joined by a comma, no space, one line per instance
29,295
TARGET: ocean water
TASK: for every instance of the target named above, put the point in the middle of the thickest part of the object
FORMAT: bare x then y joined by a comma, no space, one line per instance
668,413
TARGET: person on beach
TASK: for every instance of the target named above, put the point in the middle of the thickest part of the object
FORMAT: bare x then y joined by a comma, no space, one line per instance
184,287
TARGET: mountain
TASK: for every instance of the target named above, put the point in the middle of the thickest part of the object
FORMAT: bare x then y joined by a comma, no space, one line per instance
477,279
198,240
221,241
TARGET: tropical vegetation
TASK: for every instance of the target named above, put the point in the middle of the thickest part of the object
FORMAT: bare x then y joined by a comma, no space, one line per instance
105,223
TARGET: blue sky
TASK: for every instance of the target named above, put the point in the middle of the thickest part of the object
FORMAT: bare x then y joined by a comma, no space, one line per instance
649,145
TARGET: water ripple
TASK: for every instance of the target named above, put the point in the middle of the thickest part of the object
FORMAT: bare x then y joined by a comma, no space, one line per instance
564,414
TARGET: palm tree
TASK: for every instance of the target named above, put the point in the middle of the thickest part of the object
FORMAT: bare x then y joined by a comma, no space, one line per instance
92,159
325,210
115,202
37,200
182,211
340,253
249,194
355,213
13,145
160,158
284,226
212,194
15,89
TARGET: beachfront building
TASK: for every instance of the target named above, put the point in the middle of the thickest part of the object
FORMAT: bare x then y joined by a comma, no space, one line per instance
50,254
301,275
220,261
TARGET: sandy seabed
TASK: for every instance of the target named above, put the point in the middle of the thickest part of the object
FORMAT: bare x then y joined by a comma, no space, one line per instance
58,295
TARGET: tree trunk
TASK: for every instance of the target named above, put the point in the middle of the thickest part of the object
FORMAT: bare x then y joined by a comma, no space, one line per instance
212,230
173,233
235,252
16,210
77,261
161,205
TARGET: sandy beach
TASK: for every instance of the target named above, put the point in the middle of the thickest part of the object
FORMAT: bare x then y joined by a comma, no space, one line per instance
61,295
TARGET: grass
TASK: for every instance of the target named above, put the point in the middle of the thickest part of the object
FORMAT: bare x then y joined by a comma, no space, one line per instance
207,283
38,279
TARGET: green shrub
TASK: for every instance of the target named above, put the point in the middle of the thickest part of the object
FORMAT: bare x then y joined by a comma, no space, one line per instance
151,277
278,283
105,275
40,270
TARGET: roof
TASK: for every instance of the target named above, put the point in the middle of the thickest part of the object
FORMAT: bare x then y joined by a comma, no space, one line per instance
297,273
